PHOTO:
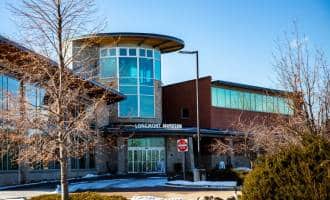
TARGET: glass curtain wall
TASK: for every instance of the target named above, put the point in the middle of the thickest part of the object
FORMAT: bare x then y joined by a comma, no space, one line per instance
9,91
235,99
135,69
9,87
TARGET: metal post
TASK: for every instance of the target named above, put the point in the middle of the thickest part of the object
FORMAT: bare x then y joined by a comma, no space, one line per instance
184,165
197,104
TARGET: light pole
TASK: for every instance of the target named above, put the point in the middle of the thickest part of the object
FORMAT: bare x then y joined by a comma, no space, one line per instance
197,102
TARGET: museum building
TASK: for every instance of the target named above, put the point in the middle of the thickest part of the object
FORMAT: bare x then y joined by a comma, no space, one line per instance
146,119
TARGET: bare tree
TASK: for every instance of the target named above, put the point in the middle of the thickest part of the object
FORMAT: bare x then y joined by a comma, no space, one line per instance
305,75
60,127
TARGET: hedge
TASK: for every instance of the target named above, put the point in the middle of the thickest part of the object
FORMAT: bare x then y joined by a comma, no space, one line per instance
294,173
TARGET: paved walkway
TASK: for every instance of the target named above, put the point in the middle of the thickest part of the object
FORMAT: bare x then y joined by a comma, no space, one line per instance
186,195
155,186
24,193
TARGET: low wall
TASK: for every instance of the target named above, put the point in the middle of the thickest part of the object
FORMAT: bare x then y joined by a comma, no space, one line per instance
11,177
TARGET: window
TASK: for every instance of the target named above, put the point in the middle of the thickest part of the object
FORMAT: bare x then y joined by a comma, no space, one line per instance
123,52
128,90
184,113
129,107
149,53
259,102
7,160
104,52
158,73
132,52
127,67
136,70
270,104
112,52
235,99
142,52
157,58
157,55
146,106
146,142
108,67
86,161
146,71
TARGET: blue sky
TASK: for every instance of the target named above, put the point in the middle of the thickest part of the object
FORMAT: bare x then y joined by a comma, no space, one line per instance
235,38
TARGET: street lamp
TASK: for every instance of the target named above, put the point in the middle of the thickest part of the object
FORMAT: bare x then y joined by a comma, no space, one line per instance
197,101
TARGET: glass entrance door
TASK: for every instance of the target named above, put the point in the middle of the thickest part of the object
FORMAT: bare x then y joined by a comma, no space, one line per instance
146,159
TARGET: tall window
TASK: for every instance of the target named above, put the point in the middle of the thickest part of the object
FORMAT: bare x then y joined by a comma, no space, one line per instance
9,89
108,63
136,69
235,99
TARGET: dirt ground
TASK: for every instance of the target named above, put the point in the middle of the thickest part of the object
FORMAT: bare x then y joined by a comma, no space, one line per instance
186,195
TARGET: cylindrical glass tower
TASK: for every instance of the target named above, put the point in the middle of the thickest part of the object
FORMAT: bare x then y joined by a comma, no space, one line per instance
131,64
135,70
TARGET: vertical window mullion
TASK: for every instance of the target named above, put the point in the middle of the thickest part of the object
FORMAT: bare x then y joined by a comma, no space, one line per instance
138,85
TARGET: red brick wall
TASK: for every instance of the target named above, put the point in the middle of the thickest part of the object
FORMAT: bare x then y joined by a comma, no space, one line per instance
225,118
183,95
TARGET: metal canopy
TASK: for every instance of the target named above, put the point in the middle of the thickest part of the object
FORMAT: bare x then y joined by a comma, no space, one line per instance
164,43
169,132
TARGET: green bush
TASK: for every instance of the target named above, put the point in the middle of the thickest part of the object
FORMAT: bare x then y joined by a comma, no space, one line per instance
296,173
80,196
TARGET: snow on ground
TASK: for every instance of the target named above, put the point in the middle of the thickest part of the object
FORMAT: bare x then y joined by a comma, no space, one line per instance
116,183
245,169
147,182
218,184
95,175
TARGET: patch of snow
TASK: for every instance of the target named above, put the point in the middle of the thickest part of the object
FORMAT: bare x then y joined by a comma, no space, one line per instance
117,183
58,189
90,176
95,175
245,169
146,182
217,184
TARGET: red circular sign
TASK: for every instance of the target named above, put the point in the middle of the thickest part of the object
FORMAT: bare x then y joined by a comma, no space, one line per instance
182,145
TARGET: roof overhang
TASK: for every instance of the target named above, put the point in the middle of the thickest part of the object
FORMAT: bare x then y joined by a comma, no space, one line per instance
139,132
164,43
249,87
18,62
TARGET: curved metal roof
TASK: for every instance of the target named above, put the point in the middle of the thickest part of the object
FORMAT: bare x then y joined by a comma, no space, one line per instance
164,43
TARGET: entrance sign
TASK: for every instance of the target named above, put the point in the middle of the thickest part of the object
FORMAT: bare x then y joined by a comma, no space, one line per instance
169,126
182,145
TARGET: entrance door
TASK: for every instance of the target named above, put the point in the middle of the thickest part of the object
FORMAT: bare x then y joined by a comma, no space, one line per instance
144,159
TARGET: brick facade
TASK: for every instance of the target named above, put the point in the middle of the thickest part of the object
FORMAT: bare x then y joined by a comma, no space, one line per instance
183,95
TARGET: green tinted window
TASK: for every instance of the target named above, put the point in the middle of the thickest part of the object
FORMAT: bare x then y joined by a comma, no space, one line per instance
108,67
146,142
235,99
128,107
127,67
158,73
